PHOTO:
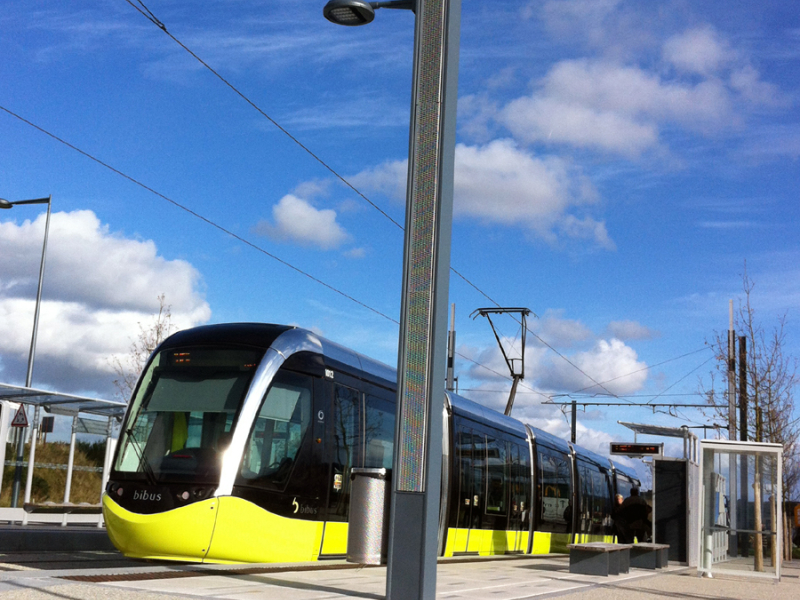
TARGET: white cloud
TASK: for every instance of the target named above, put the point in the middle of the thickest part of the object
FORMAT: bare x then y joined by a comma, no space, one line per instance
502,184
297,221
747,81
98,287
560,332
499,183
698,50
613,107
388,178
630,330
610,363
113,270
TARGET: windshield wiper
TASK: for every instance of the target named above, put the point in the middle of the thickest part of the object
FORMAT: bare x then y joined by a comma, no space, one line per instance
143,462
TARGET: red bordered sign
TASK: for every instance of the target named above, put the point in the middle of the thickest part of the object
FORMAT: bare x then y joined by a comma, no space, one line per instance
21,418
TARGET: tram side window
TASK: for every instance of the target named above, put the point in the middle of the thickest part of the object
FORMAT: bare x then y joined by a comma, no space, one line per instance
624,486
520,486
466,493
496,476
601,507
379,433
603,502
278,431
346,447
554,486
586,497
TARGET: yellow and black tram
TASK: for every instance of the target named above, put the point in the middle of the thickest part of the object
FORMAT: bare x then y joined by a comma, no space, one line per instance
239,440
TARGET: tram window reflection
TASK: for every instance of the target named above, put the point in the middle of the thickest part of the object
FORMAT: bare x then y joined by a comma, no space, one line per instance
278,431
554,489
183,412
379,433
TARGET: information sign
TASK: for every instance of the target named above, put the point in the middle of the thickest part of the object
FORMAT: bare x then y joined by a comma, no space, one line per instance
628,449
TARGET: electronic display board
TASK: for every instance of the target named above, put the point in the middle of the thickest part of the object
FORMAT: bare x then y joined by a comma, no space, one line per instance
635,449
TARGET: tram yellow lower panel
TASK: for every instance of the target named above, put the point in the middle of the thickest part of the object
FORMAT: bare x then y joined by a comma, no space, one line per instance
456,541
247,533
180,534
335,540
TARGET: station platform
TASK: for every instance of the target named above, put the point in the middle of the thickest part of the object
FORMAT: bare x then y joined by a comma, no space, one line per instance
49,537
101,575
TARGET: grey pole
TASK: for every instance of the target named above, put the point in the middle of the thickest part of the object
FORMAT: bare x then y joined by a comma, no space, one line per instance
416,474
70,463
574,421
29,377
31,461
32,352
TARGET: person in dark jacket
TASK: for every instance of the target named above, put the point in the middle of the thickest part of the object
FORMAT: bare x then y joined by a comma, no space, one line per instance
635,511
620,525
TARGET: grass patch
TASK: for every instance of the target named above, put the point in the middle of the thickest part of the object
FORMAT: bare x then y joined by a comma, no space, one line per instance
48,484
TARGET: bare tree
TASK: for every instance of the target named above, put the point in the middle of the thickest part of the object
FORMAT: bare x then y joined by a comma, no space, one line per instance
771,381
129,367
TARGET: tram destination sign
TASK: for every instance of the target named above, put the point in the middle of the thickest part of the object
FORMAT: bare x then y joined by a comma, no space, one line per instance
628,449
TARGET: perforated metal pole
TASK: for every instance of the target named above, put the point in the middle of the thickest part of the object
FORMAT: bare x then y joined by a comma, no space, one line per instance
414,521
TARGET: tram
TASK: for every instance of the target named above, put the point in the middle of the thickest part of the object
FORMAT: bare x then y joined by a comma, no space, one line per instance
239,440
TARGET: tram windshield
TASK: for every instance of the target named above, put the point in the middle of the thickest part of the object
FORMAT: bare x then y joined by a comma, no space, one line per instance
182,416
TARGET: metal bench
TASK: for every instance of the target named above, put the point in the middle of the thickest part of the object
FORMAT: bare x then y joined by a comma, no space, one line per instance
599,558
649,556
74,509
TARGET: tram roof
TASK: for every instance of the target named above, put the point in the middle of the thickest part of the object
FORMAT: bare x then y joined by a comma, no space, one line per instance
548,439
592,457
258,335
470,409
625,470
265,335
62,404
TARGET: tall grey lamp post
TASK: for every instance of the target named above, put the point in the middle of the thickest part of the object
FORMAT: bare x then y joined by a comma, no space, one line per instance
32,352
416,473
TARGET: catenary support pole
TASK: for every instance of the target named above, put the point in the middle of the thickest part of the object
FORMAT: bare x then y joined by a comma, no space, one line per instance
574,427
732,504
744,487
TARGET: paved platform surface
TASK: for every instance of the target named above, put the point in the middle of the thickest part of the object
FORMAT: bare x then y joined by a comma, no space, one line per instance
106,575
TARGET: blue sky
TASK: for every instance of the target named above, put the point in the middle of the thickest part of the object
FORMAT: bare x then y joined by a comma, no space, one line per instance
617,164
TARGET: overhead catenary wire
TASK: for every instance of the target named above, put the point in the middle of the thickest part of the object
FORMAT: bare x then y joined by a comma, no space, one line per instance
140,7
148,14
647,368
225,230
201,217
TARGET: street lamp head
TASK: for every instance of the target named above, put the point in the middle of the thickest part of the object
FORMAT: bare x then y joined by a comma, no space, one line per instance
5,203
349,12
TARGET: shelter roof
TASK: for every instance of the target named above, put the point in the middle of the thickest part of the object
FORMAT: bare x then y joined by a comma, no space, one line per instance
62,404
644,429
